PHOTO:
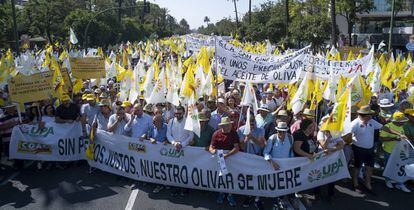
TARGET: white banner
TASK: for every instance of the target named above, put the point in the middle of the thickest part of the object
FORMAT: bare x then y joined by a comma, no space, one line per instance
236,64
401,156
191,167
194,43
55,142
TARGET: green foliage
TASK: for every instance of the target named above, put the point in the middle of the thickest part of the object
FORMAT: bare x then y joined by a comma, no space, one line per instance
52,19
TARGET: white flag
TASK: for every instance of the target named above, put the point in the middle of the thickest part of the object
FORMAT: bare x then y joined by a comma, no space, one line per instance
72,37
247,126
158,93
301,95
249,97
191,122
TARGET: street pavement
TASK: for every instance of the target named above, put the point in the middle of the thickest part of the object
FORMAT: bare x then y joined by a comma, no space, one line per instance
75,188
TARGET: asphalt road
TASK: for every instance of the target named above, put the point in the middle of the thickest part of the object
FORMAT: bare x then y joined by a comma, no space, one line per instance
74,188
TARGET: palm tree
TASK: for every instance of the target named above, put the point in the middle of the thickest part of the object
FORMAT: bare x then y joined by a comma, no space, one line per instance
235,11
206,20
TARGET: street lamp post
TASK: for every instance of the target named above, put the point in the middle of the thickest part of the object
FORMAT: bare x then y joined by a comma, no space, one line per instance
391,25
16,35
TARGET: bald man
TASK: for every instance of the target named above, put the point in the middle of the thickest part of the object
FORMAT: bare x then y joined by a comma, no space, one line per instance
140,122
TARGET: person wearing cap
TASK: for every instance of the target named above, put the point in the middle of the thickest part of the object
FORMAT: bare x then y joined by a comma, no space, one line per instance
127,106
90,109
390,140
385,110
306,114
67,112
206,131
264,116
362,131
278,145
269,100
118,121
148,109
225,139
280,115
217,114
7,122
329,144
409,126
102,118
251,143
139,124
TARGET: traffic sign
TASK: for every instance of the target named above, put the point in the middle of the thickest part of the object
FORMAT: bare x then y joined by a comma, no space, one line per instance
410,46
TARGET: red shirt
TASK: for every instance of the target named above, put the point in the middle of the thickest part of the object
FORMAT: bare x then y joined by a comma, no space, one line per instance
224,141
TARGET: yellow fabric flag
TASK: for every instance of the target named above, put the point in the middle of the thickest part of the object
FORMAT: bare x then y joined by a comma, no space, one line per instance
188,82
317,94
77,86
337,117
350,56
387,75
341,85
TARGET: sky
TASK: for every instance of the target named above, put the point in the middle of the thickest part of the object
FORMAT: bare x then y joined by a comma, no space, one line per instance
194,11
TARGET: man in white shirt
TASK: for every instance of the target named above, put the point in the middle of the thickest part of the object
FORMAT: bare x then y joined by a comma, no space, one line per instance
90,109
362,130
117,121
176,134
139,124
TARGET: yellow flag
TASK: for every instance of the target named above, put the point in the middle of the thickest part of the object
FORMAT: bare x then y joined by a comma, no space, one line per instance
337,117
188,82
341,85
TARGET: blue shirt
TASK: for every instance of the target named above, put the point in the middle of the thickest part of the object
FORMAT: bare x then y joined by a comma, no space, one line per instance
278,149
251,147
215,119
160,135
139,126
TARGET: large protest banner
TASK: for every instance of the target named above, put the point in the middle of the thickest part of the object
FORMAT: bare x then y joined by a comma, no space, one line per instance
236,64
88,67
54,142
401,156
196,168
35,87
191,167
194,43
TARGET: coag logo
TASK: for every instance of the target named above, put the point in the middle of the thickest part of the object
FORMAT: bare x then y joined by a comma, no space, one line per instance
34,148
36,131
137,147
327,171
171,152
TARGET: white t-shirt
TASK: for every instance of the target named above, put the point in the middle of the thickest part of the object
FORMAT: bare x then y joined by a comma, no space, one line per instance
363,135
331,142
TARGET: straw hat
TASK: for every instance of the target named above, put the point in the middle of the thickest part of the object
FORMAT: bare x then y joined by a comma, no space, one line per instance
385,103
264,107
399,117
148,108
104,102
365,110
221,100
282,113
202,117
282,126
309,112
225,121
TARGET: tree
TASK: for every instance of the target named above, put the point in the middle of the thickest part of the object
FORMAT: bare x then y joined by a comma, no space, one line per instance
184,27
333,22
349,9
206,20
235,12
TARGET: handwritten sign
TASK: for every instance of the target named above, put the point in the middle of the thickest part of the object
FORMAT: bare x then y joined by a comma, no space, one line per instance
31,88
87,68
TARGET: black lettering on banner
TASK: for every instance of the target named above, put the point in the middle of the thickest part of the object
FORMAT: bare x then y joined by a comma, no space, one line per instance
296,176
81,145
176,173
289,179
249,183
66,146
223,71
156,170
169,166
133,169
213,178
265,76
262,182
280,181
184,175
229,181
242,184
202,179
60,145
126,163
221,184
162,170
195,177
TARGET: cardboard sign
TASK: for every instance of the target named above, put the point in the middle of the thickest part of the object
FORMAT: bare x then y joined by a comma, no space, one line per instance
87,68
35,87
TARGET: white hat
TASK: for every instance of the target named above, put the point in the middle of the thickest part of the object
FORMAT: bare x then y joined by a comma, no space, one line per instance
221,100
264,107
385,102
282,126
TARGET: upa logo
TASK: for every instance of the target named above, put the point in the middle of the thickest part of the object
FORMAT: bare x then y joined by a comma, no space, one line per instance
327,171
34,148
137,147
171,152
36,131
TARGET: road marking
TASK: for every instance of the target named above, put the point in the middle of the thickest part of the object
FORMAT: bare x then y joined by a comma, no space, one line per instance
132,199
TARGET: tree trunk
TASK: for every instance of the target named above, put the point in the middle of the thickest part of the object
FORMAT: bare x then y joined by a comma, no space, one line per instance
350,26
287,18
333,22
250,12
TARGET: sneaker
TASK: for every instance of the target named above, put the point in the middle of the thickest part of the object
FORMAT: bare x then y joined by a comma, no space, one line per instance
158,188
220,198
403,188
389,184
259,205
232,201
246,202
